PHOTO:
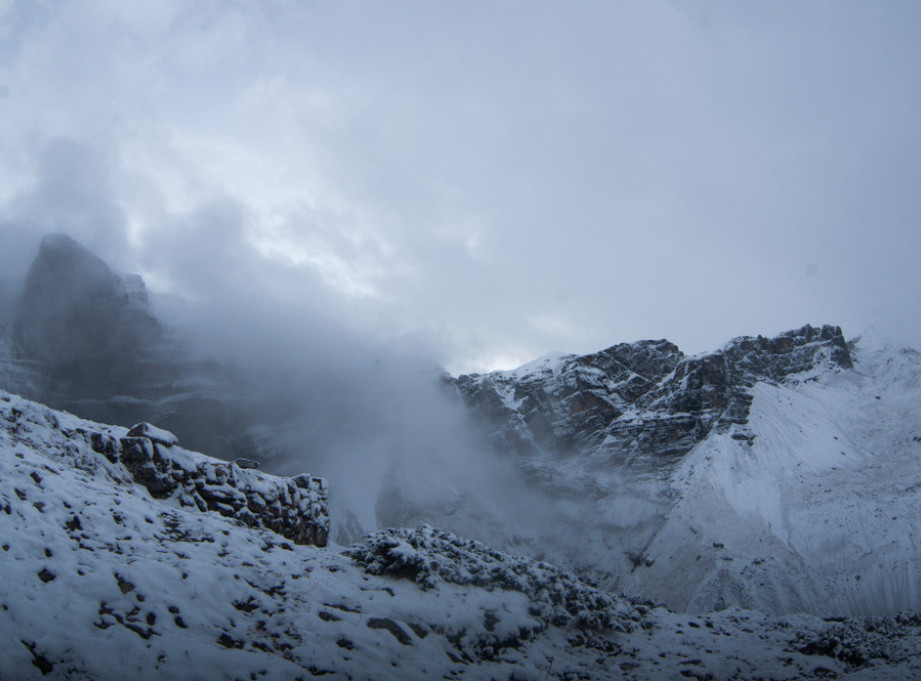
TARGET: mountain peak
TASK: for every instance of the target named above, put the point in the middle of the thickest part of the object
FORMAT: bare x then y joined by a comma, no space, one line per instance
80,319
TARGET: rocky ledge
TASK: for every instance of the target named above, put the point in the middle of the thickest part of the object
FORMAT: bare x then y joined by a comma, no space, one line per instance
294,508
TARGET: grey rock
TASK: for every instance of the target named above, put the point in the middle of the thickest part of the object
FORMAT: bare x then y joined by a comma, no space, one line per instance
644,404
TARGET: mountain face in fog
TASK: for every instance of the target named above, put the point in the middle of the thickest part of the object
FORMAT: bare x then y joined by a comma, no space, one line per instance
642,404
777,474
85,338
89,329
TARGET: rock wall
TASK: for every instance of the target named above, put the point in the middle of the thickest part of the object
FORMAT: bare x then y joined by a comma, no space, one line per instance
642,403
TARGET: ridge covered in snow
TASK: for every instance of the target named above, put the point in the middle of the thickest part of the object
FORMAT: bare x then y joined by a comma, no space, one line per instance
109,577
774,473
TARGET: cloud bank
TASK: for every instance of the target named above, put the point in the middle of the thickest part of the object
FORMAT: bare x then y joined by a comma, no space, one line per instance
482,183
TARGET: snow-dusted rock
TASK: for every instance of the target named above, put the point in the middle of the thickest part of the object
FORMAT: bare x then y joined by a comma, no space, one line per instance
775,473
641,403
294,508
154,434
428,556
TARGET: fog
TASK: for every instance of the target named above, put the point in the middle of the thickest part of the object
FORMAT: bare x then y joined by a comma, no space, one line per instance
342,199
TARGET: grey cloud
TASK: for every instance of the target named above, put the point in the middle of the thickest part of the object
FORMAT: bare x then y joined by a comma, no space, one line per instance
507,179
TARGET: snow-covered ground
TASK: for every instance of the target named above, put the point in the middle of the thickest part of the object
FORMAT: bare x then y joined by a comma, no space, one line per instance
103,581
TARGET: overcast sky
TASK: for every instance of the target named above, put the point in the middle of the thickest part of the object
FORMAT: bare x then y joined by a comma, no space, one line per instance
486,181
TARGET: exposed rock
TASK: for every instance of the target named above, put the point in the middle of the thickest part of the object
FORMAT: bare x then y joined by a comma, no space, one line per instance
642,403
154,434
295,508
428,556
85,339
89,328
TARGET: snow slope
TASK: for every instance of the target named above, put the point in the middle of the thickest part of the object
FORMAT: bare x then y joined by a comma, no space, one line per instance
779,474
819,512
103,581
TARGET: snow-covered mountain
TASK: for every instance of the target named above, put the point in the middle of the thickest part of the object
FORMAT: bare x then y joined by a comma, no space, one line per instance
126,556
781,474
85,338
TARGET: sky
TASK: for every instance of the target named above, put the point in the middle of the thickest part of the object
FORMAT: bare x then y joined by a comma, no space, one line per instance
479,182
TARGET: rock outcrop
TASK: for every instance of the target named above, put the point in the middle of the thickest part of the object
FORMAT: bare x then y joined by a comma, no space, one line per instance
644,403
85,338
295,508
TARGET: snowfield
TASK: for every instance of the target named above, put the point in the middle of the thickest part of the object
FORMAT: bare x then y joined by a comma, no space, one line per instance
106,578
820,512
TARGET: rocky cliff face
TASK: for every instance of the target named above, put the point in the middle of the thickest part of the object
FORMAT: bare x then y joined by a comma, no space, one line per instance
775,473
641,404
85,338
89,328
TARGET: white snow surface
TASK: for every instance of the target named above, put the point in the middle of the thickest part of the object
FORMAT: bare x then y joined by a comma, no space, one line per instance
103,582
820,513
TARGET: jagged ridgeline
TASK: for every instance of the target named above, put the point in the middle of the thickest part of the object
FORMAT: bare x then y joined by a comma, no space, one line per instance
644,402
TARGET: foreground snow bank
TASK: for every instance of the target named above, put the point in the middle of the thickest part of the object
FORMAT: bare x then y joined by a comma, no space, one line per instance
103,580
295,508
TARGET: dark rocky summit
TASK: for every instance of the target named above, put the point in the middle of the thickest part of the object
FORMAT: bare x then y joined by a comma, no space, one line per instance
89,328
85,338
643,403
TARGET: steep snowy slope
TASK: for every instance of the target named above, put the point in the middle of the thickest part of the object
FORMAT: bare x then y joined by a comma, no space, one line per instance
126,556
781,474
819,512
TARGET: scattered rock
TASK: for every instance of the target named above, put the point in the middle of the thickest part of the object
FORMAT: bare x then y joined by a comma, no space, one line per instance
40,661
392,627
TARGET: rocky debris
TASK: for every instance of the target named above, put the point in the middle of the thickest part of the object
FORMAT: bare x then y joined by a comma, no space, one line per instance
295,508
859,641
388,624
430,557
641,403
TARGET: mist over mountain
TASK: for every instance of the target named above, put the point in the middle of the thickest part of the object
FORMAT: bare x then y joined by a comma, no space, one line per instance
703,481
88,339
